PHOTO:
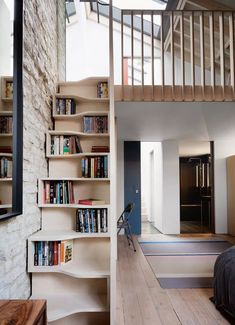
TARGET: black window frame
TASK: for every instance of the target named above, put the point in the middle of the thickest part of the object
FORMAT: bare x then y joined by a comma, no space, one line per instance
17,172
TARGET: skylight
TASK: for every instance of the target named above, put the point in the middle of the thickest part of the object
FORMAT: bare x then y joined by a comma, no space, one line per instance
139,4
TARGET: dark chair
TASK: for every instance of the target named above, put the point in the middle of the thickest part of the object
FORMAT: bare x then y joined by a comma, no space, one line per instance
123,223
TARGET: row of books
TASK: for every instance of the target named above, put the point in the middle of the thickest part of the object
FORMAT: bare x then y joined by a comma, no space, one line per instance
92,220
95,167
65,106
95,124
6,167
49,253
58,192
102,89
65,145
6,124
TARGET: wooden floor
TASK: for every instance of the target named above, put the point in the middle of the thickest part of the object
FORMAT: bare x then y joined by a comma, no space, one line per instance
141,300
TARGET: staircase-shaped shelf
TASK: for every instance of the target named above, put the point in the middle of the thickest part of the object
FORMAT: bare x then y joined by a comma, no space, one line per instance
77,291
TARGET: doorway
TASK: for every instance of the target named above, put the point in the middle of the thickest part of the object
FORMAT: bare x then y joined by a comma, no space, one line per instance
196,187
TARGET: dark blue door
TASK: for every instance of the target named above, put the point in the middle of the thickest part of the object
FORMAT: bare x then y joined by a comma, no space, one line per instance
132,182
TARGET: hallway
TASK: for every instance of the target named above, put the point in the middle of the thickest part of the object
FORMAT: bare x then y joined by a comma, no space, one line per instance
141,300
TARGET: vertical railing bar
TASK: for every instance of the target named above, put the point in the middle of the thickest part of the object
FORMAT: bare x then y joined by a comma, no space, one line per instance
162,55
172,54
142,53
202,53
182,54
152,44
222,70
132,54
231,39
192,54
122,50
212,53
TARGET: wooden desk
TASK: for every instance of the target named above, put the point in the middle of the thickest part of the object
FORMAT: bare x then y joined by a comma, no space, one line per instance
23,312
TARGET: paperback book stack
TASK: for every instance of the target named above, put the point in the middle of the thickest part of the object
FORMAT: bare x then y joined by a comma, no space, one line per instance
58,192
65,106
49,253
6,168
5,124
102,89
65,145
95,167
95,124
92,220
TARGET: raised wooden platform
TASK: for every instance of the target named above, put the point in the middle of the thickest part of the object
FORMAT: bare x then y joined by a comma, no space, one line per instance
171,94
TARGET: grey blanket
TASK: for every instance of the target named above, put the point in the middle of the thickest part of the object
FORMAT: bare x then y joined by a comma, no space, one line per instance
224,281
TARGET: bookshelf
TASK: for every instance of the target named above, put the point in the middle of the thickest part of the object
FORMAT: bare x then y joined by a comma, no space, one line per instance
77,149
6,118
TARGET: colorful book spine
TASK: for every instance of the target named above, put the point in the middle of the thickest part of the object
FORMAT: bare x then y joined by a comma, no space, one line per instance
95,167
58,192
65,106
92,220
53,253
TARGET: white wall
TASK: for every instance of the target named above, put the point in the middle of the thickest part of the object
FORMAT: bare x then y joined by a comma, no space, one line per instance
222,149
171,197
5,40
152,199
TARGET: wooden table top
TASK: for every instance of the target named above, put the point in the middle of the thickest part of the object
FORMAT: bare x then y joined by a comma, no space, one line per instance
21,312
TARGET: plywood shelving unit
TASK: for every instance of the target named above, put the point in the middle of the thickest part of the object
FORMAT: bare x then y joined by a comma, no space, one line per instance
6,114
77,292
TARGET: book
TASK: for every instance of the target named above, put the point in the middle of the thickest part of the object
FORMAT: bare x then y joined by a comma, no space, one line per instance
102,89
91,202
66,251
100,149
9,89
5,149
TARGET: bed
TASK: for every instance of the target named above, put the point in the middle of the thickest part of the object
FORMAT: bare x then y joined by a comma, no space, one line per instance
224,282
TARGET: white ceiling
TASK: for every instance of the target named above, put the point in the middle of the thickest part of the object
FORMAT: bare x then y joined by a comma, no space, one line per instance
179,120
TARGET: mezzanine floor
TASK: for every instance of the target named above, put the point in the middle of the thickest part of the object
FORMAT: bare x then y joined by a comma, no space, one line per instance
141,300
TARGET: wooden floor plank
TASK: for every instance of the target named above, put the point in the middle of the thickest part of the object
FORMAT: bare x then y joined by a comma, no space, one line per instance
197,308
203,296
141,300
164,307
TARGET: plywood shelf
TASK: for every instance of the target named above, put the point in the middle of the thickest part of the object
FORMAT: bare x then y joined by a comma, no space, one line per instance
46,235
6,113
87,269
78,155
9,179
75,206
80,134
83,99
7,100
6,135
61,305
5,206
79,115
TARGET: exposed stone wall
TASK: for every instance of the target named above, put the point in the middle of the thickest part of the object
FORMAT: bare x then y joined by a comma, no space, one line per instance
44,65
